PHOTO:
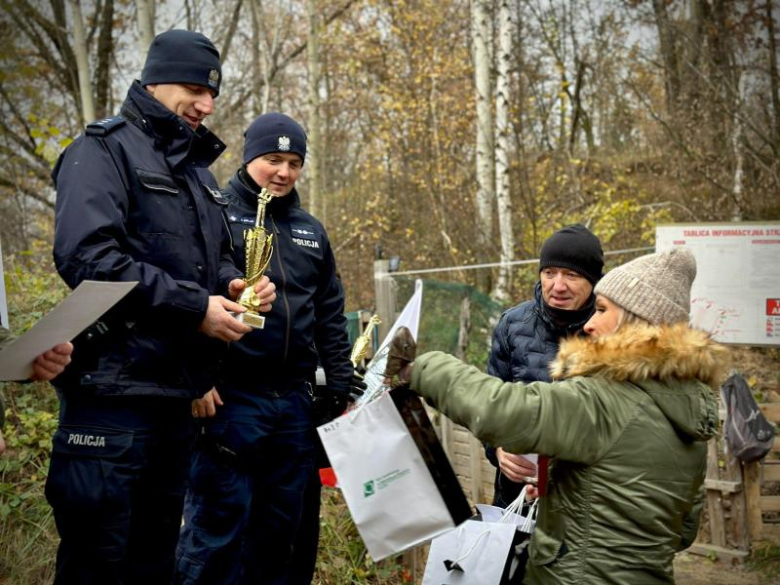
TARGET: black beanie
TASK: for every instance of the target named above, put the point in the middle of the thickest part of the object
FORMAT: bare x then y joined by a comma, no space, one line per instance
274,132
182,56
575,248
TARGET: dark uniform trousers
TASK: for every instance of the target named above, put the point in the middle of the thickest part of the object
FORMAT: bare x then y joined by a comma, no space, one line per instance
117,488
248,478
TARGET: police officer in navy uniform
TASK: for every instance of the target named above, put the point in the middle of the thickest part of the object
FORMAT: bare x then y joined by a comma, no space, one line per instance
249,474
135,202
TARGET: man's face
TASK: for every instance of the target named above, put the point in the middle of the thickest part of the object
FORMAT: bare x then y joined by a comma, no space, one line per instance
565,289
276,171
190,102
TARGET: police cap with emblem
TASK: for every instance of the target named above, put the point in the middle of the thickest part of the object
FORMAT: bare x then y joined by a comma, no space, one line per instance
274,132
182,56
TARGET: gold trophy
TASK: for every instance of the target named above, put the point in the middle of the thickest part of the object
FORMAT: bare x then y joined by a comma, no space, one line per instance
258,245
362,343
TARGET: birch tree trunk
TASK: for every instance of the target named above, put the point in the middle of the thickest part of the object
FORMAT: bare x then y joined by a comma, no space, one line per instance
266,50
257,58
739,157
82,63
503,198
314,142
145,12
481,27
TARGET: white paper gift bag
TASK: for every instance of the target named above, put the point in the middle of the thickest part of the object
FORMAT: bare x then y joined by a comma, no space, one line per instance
397,482
482,551
474,553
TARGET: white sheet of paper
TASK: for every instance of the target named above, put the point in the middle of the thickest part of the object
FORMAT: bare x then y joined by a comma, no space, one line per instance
77,312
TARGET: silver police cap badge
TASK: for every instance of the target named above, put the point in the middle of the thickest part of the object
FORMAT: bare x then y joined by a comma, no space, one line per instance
284,143
213,77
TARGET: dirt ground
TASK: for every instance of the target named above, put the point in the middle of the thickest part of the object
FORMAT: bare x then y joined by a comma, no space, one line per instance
692,569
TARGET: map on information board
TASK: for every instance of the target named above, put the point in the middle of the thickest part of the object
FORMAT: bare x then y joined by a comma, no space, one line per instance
736,294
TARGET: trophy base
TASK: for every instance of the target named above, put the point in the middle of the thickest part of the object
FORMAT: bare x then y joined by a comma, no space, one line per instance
252,319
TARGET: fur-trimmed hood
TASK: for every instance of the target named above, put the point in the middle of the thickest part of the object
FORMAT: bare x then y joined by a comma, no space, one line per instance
638,352
658,359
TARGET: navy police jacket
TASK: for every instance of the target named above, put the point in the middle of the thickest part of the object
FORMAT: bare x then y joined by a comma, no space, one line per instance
135,202
307,320
525,341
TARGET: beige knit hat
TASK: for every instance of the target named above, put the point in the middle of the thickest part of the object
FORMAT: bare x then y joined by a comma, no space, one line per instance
656,287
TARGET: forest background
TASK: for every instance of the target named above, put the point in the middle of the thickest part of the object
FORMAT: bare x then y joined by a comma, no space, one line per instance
444,132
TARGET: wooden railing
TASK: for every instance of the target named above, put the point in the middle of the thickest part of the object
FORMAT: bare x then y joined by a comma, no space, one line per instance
736,508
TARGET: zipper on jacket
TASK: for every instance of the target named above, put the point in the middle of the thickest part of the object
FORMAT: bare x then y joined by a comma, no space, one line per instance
284,284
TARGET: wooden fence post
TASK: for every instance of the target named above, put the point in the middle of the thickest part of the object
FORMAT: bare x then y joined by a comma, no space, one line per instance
385,292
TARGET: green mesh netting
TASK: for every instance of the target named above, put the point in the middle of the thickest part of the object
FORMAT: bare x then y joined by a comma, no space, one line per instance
441,313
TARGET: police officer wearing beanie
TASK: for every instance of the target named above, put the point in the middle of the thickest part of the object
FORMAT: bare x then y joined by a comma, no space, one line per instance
135,202
527,336
256,454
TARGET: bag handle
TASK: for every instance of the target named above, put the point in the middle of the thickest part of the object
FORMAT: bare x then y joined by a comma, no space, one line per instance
512,508
516,505
455,565
531,517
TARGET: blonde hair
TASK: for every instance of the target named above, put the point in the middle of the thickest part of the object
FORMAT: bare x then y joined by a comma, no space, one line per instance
627,317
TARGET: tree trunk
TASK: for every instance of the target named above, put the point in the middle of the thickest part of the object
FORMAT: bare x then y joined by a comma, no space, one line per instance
145,12
773,73
57,31
228,41
481,27
736,139
105,54
503,198
257,68
266,51
314,143
82,63
669,55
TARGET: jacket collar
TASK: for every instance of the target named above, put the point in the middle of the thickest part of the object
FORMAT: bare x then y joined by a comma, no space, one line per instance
637,352
246,189
171,134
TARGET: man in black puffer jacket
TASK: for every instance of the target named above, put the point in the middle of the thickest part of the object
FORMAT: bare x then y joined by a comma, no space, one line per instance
257,451
527,336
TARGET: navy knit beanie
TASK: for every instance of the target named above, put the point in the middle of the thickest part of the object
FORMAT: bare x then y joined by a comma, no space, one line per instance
575,248
274,132
182,56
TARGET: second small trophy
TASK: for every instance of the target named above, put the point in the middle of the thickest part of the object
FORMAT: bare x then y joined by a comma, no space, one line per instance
258,245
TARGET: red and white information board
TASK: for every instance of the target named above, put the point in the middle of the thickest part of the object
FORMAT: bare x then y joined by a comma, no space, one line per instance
736,294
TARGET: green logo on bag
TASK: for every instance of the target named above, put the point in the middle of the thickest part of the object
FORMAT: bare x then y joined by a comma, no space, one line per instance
368,489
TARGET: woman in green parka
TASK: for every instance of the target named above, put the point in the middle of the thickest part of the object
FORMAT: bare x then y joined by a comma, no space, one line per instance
625,424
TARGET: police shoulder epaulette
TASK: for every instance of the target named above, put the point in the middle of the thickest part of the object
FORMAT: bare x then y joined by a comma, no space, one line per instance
105,126
220,197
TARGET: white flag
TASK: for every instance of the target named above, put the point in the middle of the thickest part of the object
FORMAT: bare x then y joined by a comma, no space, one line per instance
409,318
